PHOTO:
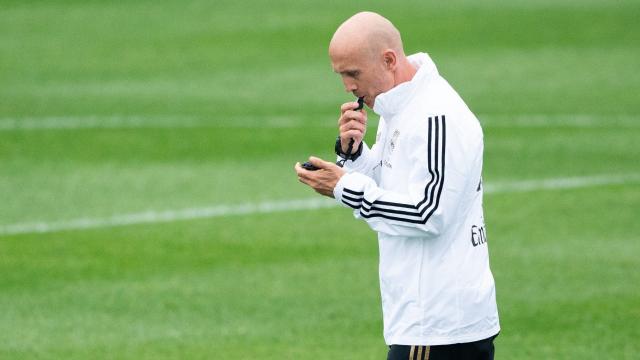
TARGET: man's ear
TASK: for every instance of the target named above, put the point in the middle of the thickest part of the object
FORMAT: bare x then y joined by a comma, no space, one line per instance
390,59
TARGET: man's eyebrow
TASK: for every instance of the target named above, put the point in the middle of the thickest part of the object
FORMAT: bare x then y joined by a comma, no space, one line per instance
349,72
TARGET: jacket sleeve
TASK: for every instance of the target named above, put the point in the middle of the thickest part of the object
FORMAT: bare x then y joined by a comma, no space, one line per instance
365,163
435,188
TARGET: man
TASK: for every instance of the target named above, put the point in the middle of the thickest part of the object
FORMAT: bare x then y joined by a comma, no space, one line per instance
419,186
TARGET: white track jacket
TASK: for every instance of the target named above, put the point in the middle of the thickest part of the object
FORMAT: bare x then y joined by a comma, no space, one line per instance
420,188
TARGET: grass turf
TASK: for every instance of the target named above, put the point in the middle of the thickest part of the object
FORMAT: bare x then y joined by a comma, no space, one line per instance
213,102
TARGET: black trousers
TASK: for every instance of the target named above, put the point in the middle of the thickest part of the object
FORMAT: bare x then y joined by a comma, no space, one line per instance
477,350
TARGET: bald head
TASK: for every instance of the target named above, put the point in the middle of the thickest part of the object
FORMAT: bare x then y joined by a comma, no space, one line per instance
366,50
366,33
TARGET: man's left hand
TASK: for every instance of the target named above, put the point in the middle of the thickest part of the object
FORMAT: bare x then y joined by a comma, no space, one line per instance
324,179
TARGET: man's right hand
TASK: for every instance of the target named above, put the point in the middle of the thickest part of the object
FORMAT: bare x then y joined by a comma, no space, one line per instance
352,125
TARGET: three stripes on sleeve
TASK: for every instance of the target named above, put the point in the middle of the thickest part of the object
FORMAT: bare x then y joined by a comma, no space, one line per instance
408,212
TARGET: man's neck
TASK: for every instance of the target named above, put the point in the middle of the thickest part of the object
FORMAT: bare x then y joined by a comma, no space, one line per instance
406,72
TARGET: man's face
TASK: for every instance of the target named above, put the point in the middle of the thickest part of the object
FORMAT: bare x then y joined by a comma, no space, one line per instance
363,74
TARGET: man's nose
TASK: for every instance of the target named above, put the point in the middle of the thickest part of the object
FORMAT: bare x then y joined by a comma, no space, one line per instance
350,86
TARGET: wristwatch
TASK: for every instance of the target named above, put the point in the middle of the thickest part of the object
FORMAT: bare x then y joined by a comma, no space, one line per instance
348,155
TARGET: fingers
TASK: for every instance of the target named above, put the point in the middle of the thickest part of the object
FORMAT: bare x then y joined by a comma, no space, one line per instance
352,125
357,116
347,137
319,163
307,177
348,113
323,180
348,106
352,128
303,174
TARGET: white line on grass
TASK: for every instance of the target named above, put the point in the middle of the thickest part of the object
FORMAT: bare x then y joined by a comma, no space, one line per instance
287,205
168,216
560,183
560,120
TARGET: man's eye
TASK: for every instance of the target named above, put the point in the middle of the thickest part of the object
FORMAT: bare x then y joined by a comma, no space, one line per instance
353,74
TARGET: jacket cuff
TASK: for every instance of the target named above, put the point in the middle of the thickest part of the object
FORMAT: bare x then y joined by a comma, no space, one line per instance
358,164
349,191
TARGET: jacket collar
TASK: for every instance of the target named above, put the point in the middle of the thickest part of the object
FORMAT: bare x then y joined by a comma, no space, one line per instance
393,101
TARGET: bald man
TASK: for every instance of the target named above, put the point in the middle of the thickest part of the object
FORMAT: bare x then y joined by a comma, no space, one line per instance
419,187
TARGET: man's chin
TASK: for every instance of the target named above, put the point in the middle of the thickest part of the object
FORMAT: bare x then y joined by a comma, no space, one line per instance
369,102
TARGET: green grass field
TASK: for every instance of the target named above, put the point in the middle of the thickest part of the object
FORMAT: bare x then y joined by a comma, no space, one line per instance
113,108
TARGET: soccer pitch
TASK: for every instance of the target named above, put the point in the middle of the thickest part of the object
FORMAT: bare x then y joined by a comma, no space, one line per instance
149,207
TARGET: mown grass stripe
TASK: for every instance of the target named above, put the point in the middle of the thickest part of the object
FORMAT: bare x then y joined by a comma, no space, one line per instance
40,123
286,205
